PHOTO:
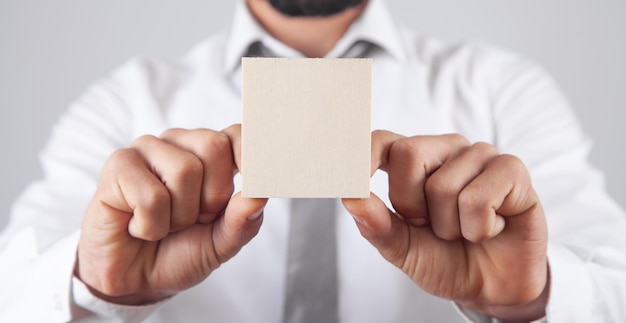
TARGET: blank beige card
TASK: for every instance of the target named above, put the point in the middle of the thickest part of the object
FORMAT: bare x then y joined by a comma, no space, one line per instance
306,127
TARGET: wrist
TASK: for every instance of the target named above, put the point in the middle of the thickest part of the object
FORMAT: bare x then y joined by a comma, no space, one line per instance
527,312
128,300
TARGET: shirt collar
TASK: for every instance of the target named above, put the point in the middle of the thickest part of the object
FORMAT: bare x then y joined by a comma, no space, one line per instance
375,26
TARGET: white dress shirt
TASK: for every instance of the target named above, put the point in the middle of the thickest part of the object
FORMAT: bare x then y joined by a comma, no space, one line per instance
420,86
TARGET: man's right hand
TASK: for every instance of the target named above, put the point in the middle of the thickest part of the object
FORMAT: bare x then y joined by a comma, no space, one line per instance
164,216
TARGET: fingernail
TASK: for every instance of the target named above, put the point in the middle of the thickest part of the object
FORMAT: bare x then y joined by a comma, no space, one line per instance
256,215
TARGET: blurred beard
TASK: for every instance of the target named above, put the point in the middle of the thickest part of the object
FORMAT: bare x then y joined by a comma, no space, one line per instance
313,8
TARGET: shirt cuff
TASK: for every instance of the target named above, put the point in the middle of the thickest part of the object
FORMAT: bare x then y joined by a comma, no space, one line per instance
571,287
476,317
43,280
103,310
471,316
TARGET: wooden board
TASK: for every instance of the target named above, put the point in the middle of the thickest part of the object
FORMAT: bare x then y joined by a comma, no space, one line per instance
306,127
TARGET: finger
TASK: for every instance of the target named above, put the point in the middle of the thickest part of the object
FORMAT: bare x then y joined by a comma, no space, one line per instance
380,226
502,190
129,187
411,161
213,149
207,246
234,135
240,223
446,183
382,141
180,171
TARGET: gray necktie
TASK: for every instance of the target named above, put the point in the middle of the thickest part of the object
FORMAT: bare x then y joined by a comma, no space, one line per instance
311,295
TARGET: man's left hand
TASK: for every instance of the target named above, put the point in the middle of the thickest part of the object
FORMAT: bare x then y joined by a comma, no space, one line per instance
468,225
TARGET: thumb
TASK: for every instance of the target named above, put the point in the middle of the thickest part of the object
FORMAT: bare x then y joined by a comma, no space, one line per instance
383,228
240,223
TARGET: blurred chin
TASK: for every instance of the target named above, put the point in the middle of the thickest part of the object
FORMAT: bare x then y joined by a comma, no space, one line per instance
313,8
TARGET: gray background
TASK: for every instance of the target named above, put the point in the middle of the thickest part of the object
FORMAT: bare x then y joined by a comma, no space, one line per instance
50,51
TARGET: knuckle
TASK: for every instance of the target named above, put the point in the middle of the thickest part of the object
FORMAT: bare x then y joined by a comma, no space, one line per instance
171,133
408,151
155,200
189,168
403,146
474,211
456,139
484,149
236,128
120,159
380,133
215,143
512,162
470,202
144,140
514,166
438,187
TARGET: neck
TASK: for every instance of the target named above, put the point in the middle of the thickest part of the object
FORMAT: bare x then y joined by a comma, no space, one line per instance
311,36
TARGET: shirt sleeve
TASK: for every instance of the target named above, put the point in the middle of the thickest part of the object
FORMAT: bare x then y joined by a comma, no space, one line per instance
35,287
93,309
531,119
38,246
587,244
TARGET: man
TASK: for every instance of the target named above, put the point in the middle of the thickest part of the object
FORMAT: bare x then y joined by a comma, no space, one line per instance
464,234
